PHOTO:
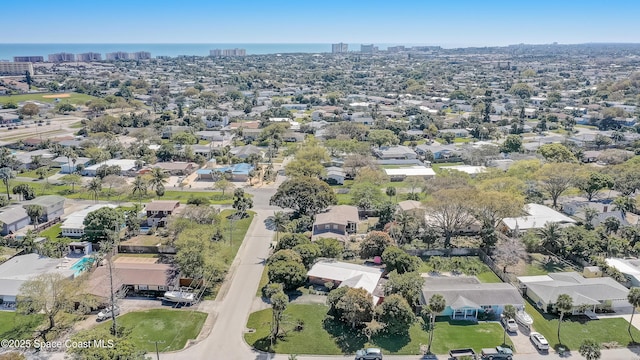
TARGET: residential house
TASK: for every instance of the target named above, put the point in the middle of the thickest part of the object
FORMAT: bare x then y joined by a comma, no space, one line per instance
177,168
439,151
73,225
68,166
459,133
399,174
291,136
243,152
13,218
467,169
337,222
466,297
630,268
603,210
395,152
342,274
53,206
250,135
22,268
237,172
150,279
127,167
589,295
413,207
335,175
159,210
537,217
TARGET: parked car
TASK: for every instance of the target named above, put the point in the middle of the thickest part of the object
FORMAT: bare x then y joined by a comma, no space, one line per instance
510,324
497,352
106,313
539,341
369,354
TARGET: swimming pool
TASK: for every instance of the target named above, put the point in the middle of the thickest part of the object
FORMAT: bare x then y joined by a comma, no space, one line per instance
81,265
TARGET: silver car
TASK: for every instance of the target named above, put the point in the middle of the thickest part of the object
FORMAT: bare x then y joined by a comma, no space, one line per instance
369,354
107,313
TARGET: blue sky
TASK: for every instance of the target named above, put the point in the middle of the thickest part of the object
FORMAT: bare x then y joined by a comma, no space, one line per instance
442,22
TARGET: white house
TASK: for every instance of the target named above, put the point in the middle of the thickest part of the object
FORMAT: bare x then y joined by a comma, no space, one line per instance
346,274
126,166
73,225
536,218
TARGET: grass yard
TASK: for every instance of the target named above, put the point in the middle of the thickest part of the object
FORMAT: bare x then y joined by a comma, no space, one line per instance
327,337
576,328
53,232
16,326
436,166
172,328
264,280
32,173
537,264
74,98
466,265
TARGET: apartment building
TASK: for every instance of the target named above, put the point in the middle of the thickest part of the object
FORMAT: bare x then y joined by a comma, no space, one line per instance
15,68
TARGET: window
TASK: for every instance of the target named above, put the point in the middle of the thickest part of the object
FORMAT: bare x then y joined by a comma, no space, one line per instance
327,226
142,287
335,227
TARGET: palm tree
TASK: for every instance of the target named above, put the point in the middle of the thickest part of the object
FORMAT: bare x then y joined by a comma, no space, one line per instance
624,204
589,214
404,219
34,212
157,180
564,304
391,192
437,304
29,242
139,187
590,349
280,220
509,312
634,299
95,186
6,175
551,234
611,225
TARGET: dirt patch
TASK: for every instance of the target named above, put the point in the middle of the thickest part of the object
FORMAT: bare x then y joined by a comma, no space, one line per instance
56,96
135,260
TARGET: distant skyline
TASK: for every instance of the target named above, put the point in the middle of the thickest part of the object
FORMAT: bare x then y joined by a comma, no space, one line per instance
445,23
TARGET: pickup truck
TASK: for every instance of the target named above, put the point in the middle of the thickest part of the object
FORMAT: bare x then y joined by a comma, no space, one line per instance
462,354
498,352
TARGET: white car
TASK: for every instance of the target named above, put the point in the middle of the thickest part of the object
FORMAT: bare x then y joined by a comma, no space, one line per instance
510,325
107,312
539,341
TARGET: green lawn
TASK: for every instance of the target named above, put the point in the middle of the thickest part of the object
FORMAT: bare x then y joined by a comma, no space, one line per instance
75,98
327,337
576,328
436,166
16,326
52,232
469,265
170,327
264,280
32,173
537,264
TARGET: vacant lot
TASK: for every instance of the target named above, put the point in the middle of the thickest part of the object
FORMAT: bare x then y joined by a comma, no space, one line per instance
73,98
16,326
171,328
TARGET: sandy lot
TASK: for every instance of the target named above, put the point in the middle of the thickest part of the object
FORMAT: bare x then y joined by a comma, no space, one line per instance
56,96
135,260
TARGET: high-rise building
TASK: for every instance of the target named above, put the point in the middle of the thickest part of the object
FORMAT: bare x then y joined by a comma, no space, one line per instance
118,55
228,52
395,49
90,56
215,52
339,48
140,55
369,49
62,57
15,68
28,59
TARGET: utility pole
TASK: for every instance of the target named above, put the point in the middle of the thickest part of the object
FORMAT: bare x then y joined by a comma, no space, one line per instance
231,229
157,352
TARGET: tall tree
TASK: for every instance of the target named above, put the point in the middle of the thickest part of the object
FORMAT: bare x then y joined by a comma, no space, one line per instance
556,178
34,212
551,235
634,299
103,224
6,174
509,312
591,183
451,211
391,192
94,187
139,187
280,220
437,304
564,304
241,202
157,180
306,196
279,302
73,180
396,314
223,185
409,285
356,306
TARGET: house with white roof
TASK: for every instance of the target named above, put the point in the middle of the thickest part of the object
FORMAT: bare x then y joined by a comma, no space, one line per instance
399,174
630,268
467,169
588,294
15,271
537,216
73,225
346,274
126,167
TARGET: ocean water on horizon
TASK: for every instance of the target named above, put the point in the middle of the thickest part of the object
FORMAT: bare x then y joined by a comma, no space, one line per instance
8,51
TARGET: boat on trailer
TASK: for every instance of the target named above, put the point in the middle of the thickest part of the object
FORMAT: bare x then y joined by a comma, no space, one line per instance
180,297
523,318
